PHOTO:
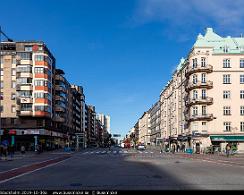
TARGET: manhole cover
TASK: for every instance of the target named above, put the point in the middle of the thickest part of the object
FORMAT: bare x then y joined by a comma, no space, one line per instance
157,176
75,184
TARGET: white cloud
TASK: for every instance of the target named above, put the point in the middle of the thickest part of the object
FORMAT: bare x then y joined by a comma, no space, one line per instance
182,15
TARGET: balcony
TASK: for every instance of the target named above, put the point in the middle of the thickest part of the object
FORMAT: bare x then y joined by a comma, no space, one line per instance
59,78
191,85
26,100
24,87
208,69
59,119
24,75
204,117
59,108
199,100
60,88
25,113
60,98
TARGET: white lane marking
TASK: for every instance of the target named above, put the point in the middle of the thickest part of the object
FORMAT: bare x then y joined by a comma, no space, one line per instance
151,152
104,152
146,152
98,152
114,152
29,172
91,152
140,152
120,152
109,152
125,151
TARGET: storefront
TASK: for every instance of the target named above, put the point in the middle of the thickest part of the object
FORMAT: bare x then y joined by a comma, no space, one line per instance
222,140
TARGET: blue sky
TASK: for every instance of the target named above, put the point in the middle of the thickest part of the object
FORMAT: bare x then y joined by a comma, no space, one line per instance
121,51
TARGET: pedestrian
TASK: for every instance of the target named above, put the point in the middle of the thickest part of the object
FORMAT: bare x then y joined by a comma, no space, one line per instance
173,149
227,149
22,149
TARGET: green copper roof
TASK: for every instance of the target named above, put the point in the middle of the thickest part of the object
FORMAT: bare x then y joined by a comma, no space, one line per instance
180,65
220,44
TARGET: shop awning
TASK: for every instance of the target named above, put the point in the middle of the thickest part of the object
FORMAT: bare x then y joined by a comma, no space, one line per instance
227,137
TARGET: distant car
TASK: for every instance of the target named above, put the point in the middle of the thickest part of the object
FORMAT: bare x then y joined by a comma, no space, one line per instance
141,147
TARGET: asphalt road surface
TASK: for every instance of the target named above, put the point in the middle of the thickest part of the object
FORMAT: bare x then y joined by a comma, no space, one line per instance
121,169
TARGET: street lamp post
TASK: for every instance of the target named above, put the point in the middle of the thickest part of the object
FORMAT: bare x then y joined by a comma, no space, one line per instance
10,40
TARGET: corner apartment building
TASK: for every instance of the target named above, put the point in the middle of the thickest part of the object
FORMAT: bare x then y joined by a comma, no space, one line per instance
38,105
202,104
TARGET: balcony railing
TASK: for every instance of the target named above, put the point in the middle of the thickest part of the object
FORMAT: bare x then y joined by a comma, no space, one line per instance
24,113
24,87
199,100
59,108
208,68
205,117
207,84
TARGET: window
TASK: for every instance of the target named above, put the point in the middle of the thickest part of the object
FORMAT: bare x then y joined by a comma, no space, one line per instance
25,55
26,107
242,94
241,126
227,110
203,93
194,63
13,96
42,95
1,71
24,68
242,110
204,110
226,79
241,63
195,111
13,72
226,94
39,58
227,126
242,79
203,77
25,94
28,48
24,80
13,109
226,63
41,83
1,84
194,79
195,94
203,62
13,84
1,108
39,70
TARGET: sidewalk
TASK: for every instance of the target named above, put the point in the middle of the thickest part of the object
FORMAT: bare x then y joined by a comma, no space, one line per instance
30,157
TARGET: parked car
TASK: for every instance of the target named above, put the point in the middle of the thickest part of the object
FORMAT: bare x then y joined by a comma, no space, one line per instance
141,147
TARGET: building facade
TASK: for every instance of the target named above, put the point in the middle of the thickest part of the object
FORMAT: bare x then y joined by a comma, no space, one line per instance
202,105
38,105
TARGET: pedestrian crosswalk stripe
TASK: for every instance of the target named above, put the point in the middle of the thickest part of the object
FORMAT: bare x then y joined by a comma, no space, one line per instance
151,152
109,151
114,152
146,152
140,151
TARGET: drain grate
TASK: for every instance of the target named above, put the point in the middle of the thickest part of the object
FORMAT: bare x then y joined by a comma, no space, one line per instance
75,184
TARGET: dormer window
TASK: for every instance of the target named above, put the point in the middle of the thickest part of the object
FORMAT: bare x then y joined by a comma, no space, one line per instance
225,49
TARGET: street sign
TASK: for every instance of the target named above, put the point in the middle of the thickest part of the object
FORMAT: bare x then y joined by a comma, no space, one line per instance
116,135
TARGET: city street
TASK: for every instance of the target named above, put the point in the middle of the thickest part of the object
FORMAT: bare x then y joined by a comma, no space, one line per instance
122,169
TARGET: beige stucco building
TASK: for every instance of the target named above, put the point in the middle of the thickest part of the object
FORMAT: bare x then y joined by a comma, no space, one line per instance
144,129
203,103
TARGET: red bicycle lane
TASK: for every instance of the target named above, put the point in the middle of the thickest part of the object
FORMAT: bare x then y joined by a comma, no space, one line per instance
17,172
